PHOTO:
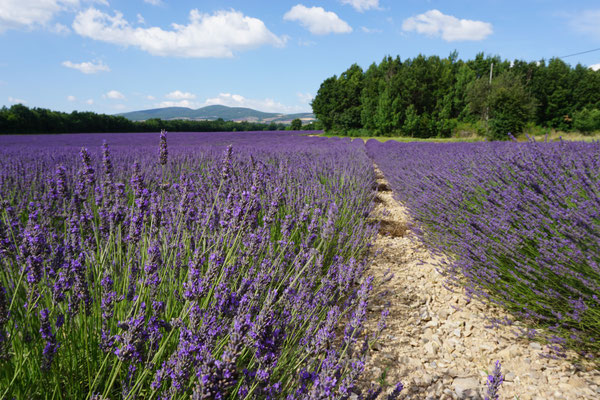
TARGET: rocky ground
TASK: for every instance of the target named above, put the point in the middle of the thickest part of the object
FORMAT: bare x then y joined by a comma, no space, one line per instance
437,344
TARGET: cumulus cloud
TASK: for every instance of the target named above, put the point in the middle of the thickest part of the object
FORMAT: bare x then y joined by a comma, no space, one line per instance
15,14
266,105
436,24
114,94
595,67
153,2
217,35
71,98
587,22
87,67
179,95
362,5
317,20
89,101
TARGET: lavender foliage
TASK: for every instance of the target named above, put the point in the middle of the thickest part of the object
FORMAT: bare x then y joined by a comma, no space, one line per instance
227,269
520,223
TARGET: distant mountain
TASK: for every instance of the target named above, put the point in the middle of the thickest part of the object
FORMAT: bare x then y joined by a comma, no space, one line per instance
215,112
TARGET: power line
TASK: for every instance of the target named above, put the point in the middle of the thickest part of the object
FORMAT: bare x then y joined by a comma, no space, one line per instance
583,52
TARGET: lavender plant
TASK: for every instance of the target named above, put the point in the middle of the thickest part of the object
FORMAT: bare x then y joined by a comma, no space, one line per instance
494,380
218,272
520,221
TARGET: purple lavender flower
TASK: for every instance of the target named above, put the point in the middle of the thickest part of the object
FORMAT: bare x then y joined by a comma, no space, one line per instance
137,179
60,178
88,169
107,163
52,345
163,151
396,392
4,315
493,382
226,165
131,345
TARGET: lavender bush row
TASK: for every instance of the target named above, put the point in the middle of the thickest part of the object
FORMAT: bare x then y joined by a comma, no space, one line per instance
520,220
189,270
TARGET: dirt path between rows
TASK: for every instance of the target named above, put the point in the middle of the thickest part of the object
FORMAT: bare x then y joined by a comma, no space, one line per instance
437,344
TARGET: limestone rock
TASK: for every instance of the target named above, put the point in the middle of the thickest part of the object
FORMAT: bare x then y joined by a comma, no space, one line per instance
467,387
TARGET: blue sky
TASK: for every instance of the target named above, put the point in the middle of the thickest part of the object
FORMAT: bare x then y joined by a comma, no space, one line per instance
114,56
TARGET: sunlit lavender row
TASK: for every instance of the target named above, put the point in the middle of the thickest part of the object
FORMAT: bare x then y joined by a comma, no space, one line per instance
520,221
208,266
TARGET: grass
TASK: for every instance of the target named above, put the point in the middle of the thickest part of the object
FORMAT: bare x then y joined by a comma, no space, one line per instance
553,136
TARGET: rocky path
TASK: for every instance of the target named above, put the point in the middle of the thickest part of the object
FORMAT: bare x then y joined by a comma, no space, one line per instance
437,344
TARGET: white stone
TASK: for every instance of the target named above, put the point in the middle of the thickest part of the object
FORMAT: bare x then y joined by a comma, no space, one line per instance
466,387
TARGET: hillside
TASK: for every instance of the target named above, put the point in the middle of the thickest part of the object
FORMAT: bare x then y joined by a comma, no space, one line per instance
215,112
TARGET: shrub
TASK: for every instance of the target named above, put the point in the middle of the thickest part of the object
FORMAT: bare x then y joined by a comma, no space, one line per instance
586,121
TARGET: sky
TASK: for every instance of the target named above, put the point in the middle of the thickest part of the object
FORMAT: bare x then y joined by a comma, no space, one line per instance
112,56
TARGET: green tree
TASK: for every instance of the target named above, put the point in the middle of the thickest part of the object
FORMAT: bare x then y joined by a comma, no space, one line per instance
587,120
326,102
505,104
296,124
411,122
510,105
350,84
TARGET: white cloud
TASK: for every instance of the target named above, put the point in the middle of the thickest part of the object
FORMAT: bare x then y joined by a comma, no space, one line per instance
71,98
317,20
179,95
305,98
15,14
150,97
140,19
266,105
87,67
306,43
114,94
362,5
370,30
15,101
153,2
595,67
89,101
434,23
217,35
60,29
587,22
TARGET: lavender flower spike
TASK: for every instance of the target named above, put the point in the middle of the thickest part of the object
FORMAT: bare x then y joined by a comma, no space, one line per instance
163,151
494,382
396,392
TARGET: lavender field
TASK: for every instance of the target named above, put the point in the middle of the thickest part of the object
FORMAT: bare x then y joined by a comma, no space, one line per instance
209,266
520,223
236,265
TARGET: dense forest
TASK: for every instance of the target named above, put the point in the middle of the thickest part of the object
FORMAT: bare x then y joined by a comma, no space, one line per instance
21,119
437,97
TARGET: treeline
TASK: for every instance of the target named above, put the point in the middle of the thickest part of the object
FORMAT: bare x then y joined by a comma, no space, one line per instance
21,119
435,97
